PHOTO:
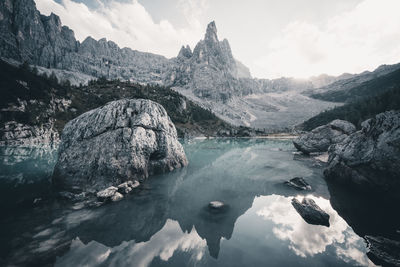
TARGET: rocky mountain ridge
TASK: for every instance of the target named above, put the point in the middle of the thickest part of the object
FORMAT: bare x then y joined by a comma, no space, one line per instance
209,75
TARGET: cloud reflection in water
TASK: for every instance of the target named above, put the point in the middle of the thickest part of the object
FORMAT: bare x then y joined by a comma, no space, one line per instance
306,239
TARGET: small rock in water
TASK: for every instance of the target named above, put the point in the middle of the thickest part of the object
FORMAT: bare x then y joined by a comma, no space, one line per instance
37,200
311,212
117,197
298,183
107,193
124,188
216,204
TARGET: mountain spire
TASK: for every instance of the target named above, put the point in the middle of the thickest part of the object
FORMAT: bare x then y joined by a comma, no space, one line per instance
211,34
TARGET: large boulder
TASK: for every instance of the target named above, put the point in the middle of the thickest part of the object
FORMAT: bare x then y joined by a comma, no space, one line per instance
319,139
369,158
122,141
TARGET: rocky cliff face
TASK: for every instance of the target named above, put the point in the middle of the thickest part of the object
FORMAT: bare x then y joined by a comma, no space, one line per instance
26,35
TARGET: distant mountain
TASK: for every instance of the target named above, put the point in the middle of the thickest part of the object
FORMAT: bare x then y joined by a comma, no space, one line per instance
346,88
34,109
364,101
209,75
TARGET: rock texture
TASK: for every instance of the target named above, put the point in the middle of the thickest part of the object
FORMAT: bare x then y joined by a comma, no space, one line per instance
121,141
383,250
311,212
26,35
319,139
369,158
210,71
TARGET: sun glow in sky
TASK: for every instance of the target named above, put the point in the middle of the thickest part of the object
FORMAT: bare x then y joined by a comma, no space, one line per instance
273,38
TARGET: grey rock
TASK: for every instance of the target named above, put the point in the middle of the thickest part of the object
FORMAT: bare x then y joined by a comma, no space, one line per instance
117,197
124,188
311,212
370,158
124,140
319,139
299,183
107,193
14,133
383,250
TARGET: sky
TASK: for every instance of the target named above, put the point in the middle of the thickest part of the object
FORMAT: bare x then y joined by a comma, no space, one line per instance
285,38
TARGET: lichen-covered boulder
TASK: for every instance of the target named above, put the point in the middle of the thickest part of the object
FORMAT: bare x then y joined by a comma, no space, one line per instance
124,140
370,158
319,139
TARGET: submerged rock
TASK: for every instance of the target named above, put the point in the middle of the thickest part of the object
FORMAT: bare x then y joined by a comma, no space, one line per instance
370,158
311,212
383,250
127,187
107,193
117,197
124,188
319,139
127,139
299,183
216,205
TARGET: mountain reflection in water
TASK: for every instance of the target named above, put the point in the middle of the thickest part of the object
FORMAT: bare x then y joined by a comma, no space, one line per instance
167,222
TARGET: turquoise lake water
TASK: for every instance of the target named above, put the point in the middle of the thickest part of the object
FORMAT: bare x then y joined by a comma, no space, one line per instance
166,222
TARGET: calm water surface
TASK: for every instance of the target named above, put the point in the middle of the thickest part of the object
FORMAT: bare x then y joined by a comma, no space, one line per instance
166,222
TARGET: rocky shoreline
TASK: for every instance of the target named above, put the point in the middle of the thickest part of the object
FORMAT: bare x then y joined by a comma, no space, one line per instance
367,164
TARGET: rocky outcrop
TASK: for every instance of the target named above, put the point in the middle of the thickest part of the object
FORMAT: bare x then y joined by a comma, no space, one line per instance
121,141
14,133
311,212
319,139
370,158
384,251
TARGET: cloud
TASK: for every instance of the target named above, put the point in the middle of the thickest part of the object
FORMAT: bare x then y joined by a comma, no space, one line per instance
193,11
309,240
128,24
359,39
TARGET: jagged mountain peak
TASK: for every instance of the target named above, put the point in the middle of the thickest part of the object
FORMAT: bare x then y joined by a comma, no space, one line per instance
185,52
211,33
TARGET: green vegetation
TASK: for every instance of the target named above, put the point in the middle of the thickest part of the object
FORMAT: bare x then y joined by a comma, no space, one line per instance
358,111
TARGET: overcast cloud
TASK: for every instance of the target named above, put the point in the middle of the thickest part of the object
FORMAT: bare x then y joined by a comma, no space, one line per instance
274,39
